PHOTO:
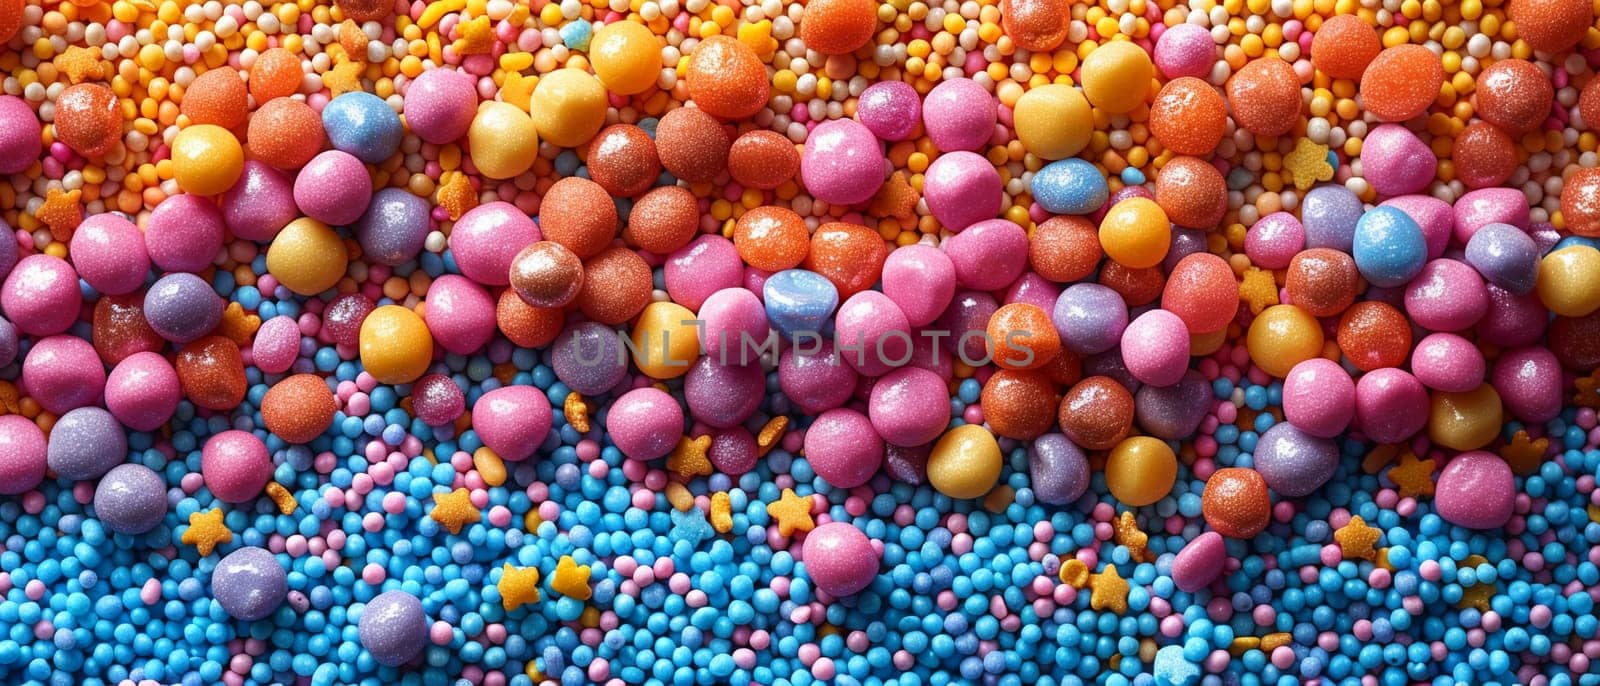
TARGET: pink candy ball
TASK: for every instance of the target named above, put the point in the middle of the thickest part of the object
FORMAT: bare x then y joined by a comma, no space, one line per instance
1432,215
1485,206
184,233
41,295
22,455
142,391
1155,348
921,280
890,109
1512,320
1447,296
1319,397
815,377
988,255
1476,490
959,114
20,131
962,188
734,328
645,423
236,466
843,163
723,396
840,559
459,314
1395,161
909,407
1185,50
1034,290
872,333
277,344
1529,383
513,421
108,252
1391,405
1447,362
1274,240
843,448
333,188
706,265
259,205
487,239
440,104
63,373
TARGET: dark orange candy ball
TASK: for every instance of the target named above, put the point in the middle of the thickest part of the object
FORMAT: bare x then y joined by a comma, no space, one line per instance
1019,404
1188,116
1192,192
88,119
771,238
285,133
211,373
1343,46
120,329
546,274
763,159
664,219
1483,155
1374,335
217,97
1096,413
838,27
1022,337
727,79
1265,96
1322,281
578,214
524,324
623,160
1138,287
1551,25
1236,503
1589,104
1401,82
616,286
692,145
1064,248
1514,95
849,255
1036,25
298,409
1580,202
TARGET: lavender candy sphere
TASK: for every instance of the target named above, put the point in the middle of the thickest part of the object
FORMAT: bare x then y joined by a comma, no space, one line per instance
394,228
1090,318
130,499
1173,412
8,250
440,104
890,109
1506,256
22,454
437,400
588,358
85,444
249,583
815,380
1293,462
20,141
840,559
722,395
1057,470
393,628
962,188
1329,214
645,423
843,163
333,188
909,406
182,307
260,204
959,115
1185,242
8,342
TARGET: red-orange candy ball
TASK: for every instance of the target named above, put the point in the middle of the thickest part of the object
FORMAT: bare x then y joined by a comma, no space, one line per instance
1265,96
88,119
1138,287
119,328
1019,404
1022,337
1580,202
524,324
1343,46
1096,413
1483,155
771,238
578,214
1203,292
1065,370
546,274
1374,335
727,79
849,255
664,219
10,18
838,27
363,11
285,133
1036,25
1322,281
623,160
1192,192
275,73
616,286
217,97
692,145
1064,248
1188,116
1551,25
763,159
211,373
1236,503
1514,95
1589,104
298,409
1401,82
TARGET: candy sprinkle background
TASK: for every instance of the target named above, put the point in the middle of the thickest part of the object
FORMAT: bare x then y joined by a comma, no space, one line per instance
638,342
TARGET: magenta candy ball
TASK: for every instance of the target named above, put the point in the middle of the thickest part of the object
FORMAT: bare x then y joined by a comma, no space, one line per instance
1274,240
645,423
843,448
259,205
1476,491
962,188
1529,383
1447,296
1185,50
1391,405
843,163
108,252
513,421
1034,290
41,295
20,131
440,104
459,314
63,373
184,233
1485,206
815,380
734,327
921,280
1512,320
1203,558
872,333
333,188
1395,161
734,451
235,466
437,400
706,265
1447,362
909,406
487,239
959,114
840,559
277,344
142,391
1155,348
723,396
22,455
1319,397
889,109
928,352
988,255
1432,215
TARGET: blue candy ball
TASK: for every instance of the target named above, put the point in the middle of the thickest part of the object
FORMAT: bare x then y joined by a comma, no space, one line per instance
1389,247
363,125
1070,186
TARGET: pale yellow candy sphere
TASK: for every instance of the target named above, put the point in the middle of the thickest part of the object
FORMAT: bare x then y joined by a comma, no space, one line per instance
965,463
307,257
1053,121
502,140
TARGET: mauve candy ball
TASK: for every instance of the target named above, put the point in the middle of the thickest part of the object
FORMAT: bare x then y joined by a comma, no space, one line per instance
8,249
815,380
235,466
988,255
440,104
277,344
22,454
959,115
130,499
393,628
85,444
1476,490
1173,412
183,234
1293,462
142,391
437,400
843,163
645,423
1486,206
63,373
734,327
588,358
1329,214
513,421
1529,383
182,307
1199,562
20,142
41,295
889,109
1319,397
249,584
1273,241
259,205
1090,318
723,396
921,280
1506,256
108,252
8,342
734,451
1512,320
1058,471
840,559
394,228
1395,161
965,321
333,188
909,406
1447,362
962,188
843,448
1391,405
487,238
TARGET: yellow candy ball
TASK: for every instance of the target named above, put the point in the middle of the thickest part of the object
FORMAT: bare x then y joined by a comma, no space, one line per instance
396,346
307,257
1053,121
502,140
1136,233
626,56
665,340
1465,421
1141,471
1569,281
965,463
1116,76
568,107
206,159
1281,337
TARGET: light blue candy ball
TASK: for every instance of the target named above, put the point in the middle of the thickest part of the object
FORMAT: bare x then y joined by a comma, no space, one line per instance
363,125
1389,247
1070,186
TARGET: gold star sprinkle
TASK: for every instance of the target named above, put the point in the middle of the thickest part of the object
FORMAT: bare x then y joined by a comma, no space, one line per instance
454,510
1308,164
1074,572
576,412
206,530
518,586
1413,476
1524,454
237,325
895,199
1356,539
771,434
79,64
792,513
721,512
353,40
61,212
1258,290
456,195
282,498
476,36
1107,591
571,579
517,90
1588,394
689,458
9,399
1129,536
344,77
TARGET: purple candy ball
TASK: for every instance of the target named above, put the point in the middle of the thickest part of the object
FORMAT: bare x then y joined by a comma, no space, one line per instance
394,228
721,395
249,584
8,342
1329,214
733,451
130,499
1090,318
1293,462
1057,469
815,381
964,324
1506,256
260,204
393,628
182,307
86,443
1173,412
588,358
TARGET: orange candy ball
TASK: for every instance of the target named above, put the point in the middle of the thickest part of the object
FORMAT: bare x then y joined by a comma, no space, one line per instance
1374,335
1483,155
838,27
1401,82
363,11
623,160
664,220
1019,404
616,286
88,119
1203,292
1022,337
217,97
1192,192
1188,116
285,133
1322,281
849,255
1343,46
211,373
1096,413
771,238
578,214
1580,202
1551,25
1138,287
1064,248
1514,95
763,159
1589,104
276,73
298,409
524,324
727,79
692,145
1236,503
1036,25
1265,96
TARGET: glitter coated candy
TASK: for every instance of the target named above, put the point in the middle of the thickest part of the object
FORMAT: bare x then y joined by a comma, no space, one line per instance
1235,502
249,584
1293,462
211,373
393,628
85,443
1058,470
840,559
1475,490
843,163
130,499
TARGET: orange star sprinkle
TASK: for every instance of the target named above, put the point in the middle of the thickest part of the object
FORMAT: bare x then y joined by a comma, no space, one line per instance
1588,394
792,513
1356,539
79,64
454,510
1129,536
456,195
353,40
1258,290
237,325
476,36
895,199
1413,476
61,212
206,530
1524,454
689,458
1108,591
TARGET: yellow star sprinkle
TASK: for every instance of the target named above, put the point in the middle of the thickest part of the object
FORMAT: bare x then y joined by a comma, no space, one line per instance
79,64
1356,539
1308,164
1107,590
456,195
476,37
282,498
771,434
517,90
689,458
353,40
206,531
454,510
344,77
1588,394
518,586
576,412
792,512
238,326
61,212
1129,536
721,512
1074,573
1258,290
1413,476
1524,454
571,579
